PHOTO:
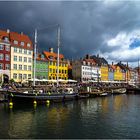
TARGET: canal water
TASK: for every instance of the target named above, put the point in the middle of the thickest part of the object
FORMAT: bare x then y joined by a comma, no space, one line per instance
114,117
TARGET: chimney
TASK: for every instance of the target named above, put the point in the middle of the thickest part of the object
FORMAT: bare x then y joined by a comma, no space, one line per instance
112,63
21,33
8,31
51,50
97,55
87,56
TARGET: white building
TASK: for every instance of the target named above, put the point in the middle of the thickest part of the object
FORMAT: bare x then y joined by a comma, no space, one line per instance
85,70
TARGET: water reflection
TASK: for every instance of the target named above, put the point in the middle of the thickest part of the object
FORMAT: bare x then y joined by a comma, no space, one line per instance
107,117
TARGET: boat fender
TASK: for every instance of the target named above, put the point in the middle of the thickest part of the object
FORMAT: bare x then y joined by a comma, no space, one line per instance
48,101
11,104
35,102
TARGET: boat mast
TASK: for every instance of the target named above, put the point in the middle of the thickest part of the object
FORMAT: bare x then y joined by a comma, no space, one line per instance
35,56
58,43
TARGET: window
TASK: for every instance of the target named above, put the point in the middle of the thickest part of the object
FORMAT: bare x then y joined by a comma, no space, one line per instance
15,58
25,51
6,39
28,44
25,67
20,76
15,50
29,76
20,58
15,76
24,76
1,56
29,52
15,66
29,68
15,42
7,66
7,57
20,67
25,59
1,47
20,50
22,43
7,48
1,66
29,60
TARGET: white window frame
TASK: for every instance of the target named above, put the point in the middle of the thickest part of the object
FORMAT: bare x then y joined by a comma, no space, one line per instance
7,57
1,66
15,42
1,47
1,56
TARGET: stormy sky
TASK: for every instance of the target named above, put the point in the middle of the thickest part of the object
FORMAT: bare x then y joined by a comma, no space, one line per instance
108,28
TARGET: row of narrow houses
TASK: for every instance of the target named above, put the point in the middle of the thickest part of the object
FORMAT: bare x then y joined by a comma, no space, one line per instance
17,60
94,69
17,63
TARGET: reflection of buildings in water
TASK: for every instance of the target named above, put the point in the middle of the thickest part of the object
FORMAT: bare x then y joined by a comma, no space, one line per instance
20,124
89,107
58,118
118,102
104,104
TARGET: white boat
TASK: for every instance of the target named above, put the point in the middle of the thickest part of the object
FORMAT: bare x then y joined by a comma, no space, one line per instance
119,91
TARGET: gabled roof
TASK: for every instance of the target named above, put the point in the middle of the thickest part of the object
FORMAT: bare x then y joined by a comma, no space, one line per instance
112,66
123,66
3,33
20,38
89,60
39,57
53,55
99,60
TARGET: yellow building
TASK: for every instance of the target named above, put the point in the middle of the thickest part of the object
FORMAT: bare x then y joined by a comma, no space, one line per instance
118,74
52,67
21,57
104,72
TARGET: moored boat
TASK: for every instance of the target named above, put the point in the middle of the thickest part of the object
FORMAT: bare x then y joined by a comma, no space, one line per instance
40,97
119,91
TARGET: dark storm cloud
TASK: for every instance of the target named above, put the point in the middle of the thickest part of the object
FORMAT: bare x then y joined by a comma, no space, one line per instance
85,26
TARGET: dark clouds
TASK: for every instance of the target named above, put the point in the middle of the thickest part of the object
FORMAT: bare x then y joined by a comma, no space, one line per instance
86,27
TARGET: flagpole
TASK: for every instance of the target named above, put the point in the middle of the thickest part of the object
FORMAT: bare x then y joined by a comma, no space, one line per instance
35,56
58,43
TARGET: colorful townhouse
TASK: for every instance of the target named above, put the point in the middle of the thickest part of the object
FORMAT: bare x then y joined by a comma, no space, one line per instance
103,64
52,65
85,70
21,57
41,69
111,69
123,72
4,56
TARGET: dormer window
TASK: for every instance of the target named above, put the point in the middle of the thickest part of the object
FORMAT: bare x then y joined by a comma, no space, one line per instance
28,45
84,62
15,42
42,56
22,43
50,57
6,39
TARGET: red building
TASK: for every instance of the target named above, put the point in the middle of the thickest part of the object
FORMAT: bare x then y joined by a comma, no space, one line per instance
4,56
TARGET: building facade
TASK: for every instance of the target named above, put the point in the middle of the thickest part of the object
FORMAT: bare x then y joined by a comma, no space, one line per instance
52,65
4,56
21,57
85,70
41,71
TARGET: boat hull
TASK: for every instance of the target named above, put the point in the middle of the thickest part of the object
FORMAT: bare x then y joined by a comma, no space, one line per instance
16,97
